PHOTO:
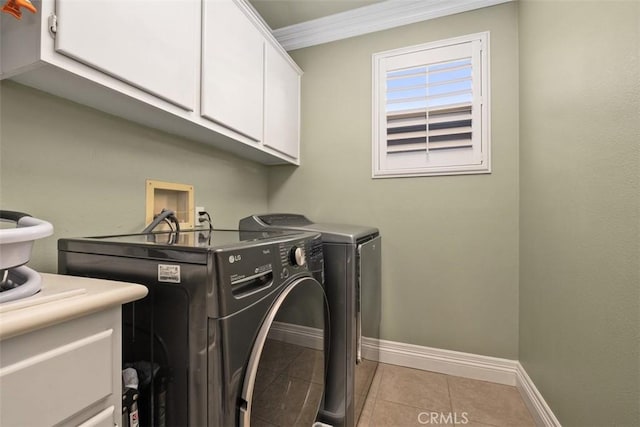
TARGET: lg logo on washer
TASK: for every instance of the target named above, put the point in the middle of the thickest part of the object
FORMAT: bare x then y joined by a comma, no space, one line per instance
234,258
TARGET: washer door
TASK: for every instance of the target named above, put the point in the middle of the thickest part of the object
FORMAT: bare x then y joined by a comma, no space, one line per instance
284,380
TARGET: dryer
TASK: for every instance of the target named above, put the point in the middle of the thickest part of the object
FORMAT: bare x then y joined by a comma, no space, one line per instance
352,260
234,329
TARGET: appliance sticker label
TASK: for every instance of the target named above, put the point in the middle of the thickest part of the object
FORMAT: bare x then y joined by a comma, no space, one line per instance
168,273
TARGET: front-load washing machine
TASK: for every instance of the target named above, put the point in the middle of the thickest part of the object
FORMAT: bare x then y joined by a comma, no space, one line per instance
352,257
234,329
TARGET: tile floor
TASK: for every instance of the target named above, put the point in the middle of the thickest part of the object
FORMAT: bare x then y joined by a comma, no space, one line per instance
409,397
288,389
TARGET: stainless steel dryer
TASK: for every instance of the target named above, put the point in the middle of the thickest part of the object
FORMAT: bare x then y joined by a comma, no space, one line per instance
352,282
233,331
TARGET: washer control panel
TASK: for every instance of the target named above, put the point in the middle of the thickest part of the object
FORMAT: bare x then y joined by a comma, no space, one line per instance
302,255
292,258
247,272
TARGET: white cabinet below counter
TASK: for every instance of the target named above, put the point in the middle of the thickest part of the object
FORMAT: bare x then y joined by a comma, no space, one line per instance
192,68
61,353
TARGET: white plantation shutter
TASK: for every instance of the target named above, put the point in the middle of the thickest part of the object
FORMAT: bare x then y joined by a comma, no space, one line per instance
442,120
430,109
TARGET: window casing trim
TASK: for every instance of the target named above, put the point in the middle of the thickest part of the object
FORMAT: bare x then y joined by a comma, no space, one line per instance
483,115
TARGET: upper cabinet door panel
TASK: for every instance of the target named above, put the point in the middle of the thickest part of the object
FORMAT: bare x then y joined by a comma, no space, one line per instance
152,45
281,105
232,68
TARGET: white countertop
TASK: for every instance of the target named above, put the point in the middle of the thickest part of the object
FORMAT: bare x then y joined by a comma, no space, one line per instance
63,298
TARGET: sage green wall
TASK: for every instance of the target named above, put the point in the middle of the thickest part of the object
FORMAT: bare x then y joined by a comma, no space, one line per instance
84,171
450,251
580,208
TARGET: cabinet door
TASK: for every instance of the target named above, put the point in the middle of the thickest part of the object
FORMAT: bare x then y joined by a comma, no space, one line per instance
281,104
232,68
152,45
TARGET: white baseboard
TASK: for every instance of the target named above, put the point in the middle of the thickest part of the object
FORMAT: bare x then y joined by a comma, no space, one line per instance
535,402
467,365
474,366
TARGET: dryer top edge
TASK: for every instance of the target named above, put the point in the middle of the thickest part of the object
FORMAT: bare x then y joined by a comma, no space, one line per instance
331,233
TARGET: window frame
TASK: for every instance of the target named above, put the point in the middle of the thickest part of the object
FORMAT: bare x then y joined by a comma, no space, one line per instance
379,113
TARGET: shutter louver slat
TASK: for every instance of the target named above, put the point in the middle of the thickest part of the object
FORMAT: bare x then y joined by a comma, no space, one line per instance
406,148
459,143
454,131
399,137
400,123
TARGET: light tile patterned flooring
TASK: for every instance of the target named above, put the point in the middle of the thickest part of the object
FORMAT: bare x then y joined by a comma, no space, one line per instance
409,397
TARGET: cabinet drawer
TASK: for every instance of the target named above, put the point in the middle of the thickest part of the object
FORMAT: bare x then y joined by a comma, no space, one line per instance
47,387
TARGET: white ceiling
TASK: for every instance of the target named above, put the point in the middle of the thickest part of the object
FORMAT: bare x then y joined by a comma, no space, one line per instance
282,13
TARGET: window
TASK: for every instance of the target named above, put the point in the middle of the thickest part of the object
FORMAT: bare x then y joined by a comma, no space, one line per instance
431,109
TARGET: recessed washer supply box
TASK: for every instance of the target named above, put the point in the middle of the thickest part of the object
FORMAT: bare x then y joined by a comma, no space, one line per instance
176,197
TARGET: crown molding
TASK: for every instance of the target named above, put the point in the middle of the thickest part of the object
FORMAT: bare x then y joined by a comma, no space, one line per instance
369,19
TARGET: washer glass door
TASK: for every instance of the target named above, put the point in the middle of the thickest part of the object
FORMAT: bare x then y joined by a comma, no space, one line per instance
284,382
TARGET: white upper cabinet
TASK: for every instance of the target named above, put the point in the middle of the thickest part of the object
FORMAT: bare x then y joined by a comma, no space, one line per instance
232,68
152,45
282,104
206,70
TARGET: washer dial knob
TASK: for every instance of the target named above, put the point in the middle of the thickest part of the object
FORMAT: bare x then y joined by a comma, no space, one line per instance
297,256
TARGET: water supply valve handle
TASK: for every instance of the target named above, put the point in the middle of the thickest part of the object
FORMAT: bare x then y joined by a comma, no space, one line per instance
12,7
